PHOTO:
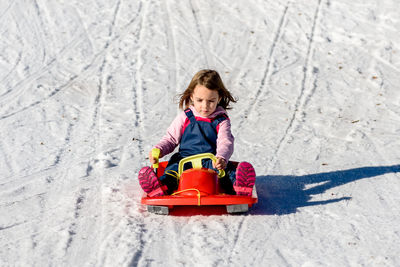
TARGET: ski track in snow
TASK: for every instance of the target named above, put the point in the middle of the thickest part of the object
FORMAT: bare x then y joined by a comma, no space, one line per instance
303,97
267,71
86,89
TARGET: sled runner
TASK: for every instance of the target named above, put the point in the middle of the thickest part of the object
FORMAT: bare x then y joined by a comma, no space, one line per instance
197,187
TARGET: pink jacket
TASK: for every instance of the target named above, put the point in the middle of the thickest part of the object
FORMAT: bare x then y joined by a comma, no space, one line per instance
173,136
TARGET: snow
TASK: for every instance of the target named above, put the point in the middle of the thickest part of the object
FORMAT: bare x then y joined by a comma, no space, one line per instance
87,87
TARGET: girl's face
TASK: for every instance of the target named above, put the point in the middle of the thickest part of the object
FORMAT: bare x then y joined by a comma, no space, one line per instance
204,100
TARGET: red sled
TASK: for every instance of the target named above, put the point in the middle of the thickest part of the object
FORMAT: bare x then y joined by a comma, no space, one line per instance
198,192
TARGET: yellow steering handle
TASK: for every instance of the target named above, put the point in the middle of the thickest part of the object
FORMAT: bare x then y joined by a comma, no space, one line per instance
155,153
196,162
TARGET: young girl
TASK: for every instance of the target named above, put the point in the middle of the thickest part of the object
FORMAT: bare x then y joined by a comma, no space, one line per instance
203,127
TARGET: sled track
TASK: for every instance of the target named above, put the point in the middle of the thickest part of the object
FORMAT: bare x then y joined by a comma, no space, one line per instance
237,238
20,88
139,252
72,231
138,89
13,93
203,44
102,76
153,230
6,10
137,102
6,77
252,105
171,43
267,71
304,97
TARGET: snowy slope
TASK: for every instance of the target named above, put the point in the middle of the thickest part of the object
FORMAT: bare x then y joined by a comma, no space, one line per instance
87,87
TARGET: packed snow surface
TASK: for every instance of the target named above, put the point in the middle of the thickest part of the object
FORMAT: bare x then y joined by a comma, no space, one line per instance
87,87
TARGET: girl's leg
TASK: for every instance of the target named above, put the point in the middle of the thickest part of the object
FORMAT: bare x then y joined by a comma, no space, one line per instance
225,182
169,177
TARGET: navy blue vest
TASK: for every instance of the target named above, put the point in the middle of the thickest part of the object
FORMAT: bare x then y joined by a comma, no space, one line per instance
199,135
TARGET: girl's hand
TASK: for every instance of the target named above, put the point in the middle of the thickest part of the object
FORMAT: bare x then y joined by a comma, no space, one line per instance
219,164
153,160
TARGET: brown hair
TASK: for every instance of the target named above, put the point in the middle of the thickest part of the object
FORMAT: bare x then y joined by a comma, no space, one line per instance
211,80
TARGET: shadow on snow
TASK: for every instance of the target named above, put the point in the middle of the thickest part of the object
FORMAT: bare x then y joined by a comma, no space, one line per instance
283,194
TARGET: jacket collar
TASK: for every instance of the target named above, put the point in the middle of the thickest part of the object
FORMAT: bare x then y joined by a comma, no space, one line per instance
218,111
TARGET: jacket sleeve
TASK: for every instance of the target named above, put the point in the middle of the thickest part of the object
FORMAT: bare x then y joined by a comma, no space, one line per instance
173,136
225,140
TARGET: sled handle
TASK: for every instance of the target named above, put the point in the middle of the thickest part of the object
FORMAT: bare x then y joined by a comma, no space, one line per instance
196,162
155,152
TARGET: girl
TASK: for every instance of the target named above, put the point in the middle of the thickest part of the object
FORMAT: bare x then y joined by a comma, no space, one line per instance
203,127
